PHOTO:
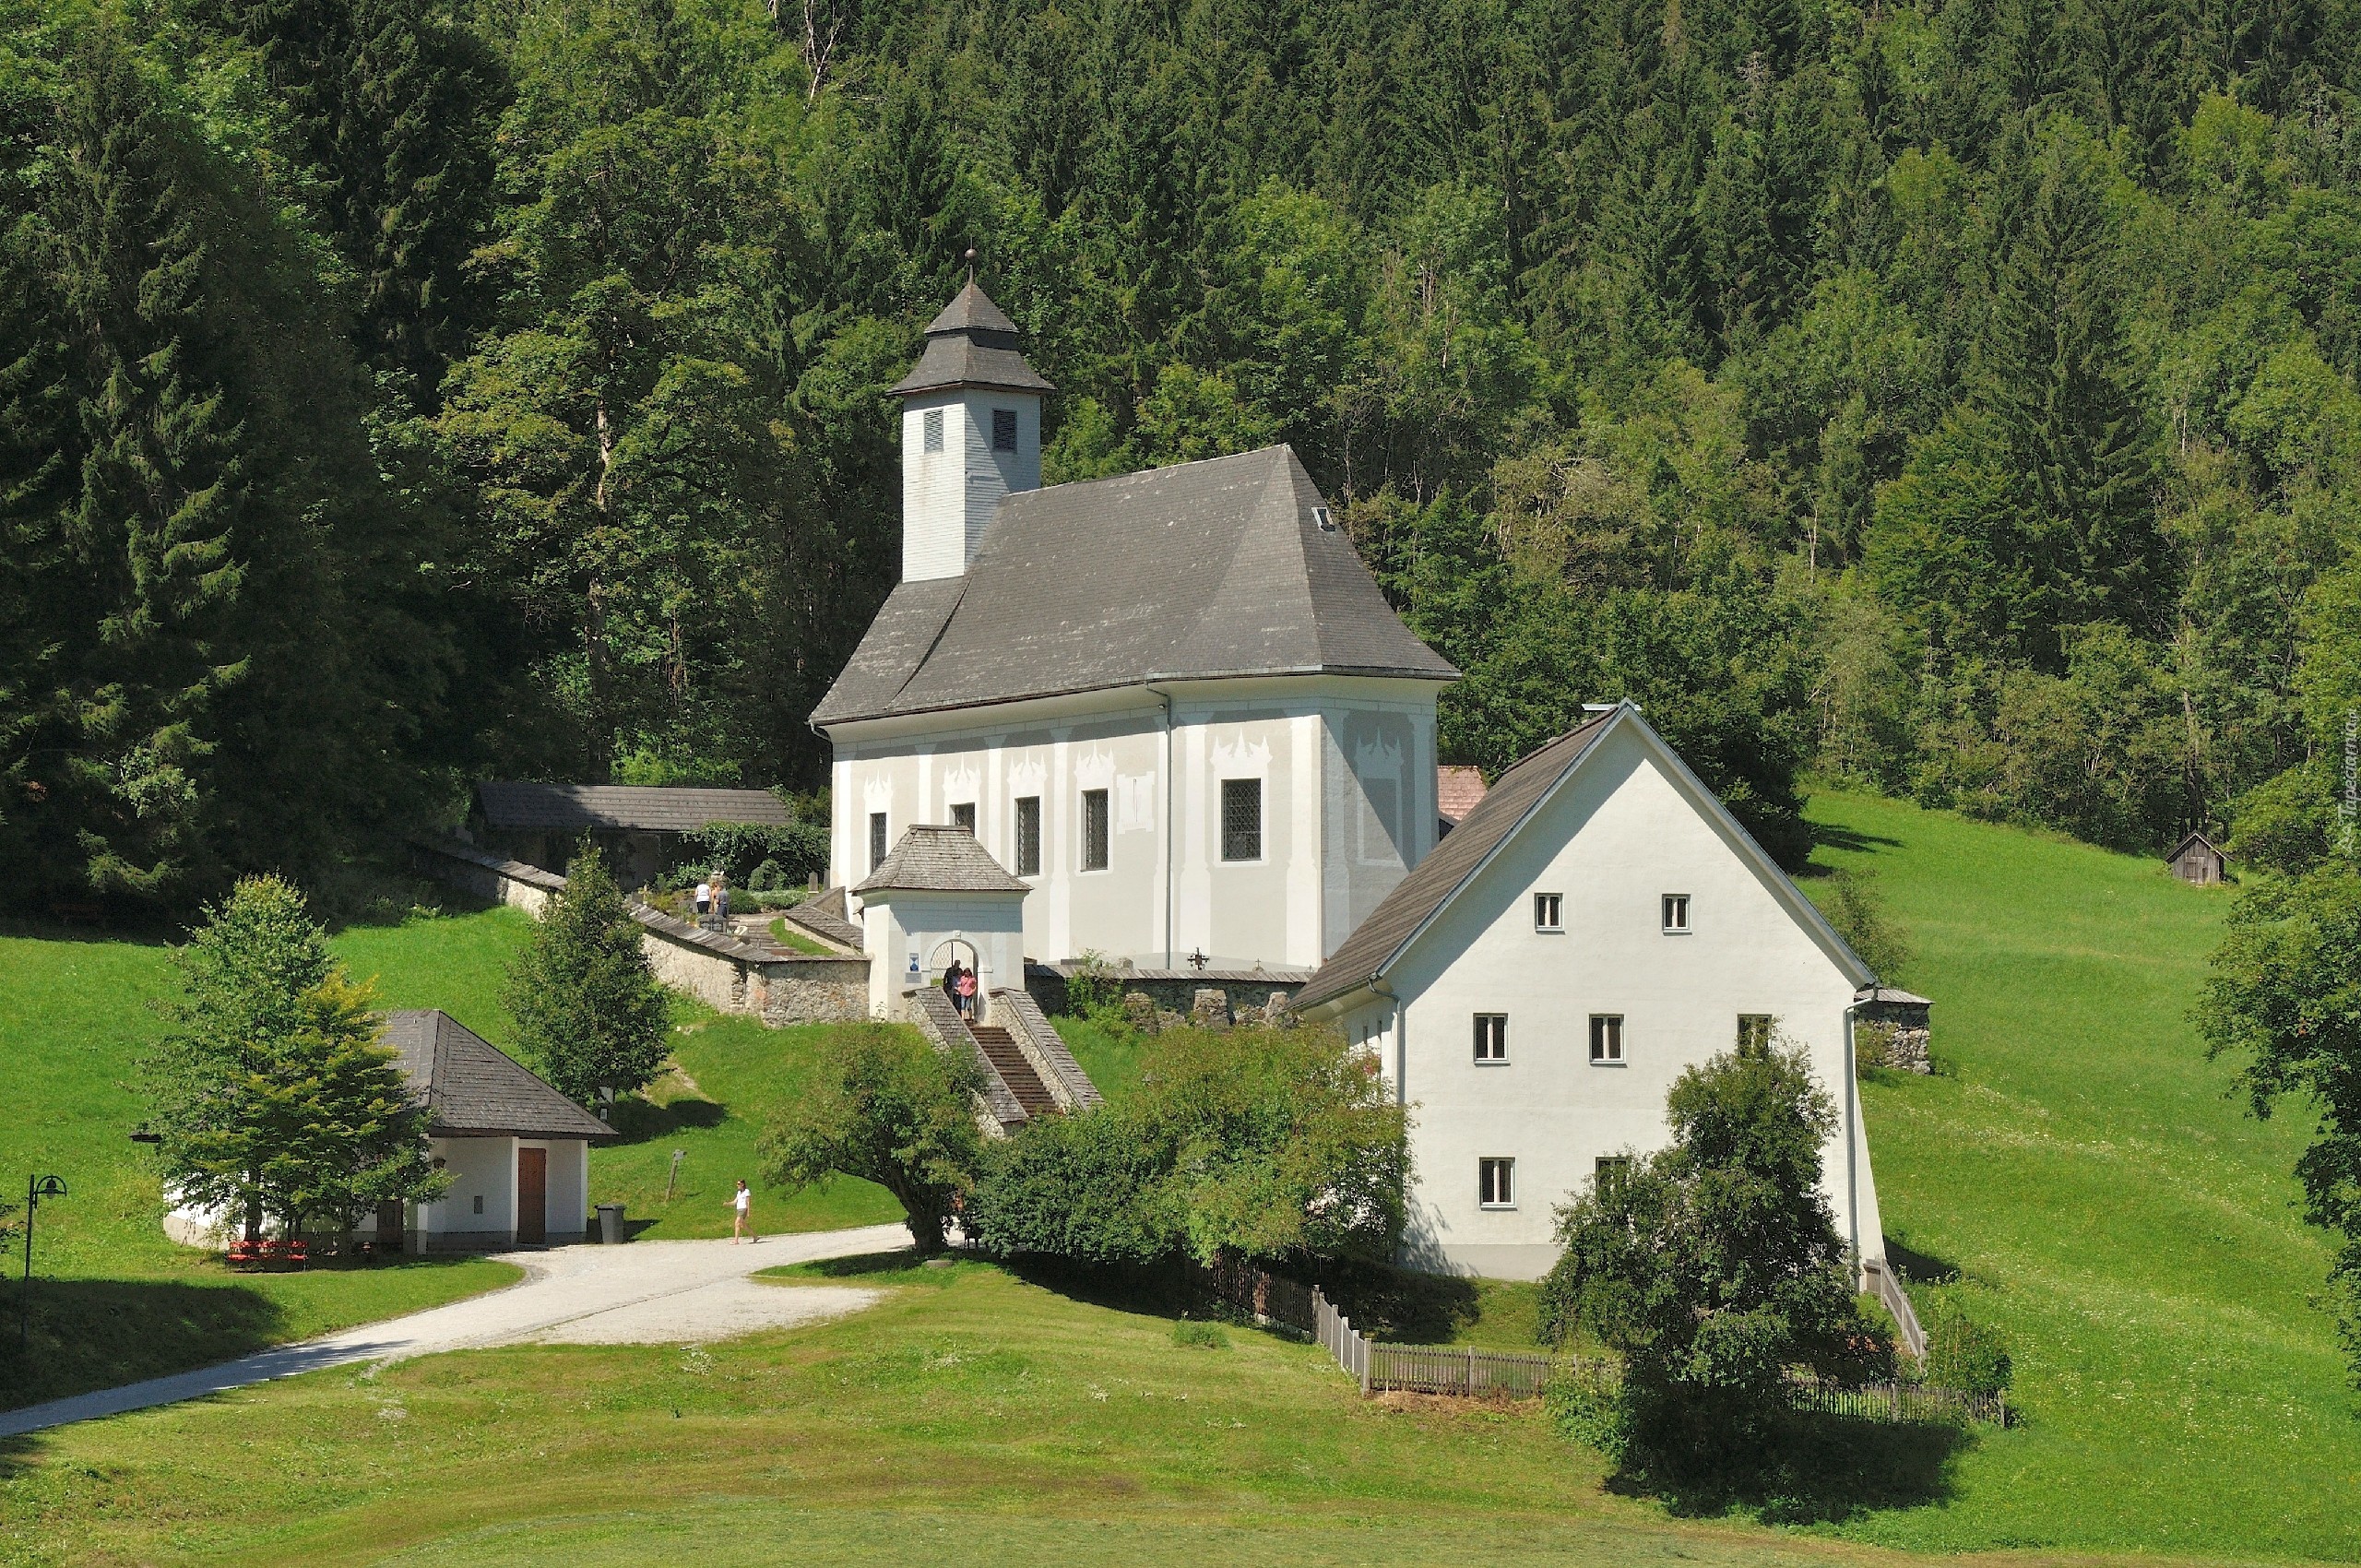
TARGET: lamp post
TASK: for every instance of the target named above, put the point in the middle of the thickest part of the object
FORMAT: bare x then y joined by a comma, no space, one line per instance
36,1189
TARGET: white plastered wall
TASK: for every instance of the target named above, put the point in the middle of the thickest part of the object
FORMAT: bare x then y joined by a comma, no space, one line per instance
1297,736
948,497
478,1168
1616,839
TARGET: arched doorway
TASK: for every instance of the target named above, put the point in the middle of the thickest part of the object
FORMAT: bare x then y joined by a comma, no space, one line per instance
962,951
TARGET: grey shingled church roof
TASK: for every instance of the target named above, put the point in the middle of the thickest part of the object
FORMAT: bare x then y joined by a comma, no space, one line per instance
972,343
473,1088
1434,879
937,858
1209,569
651,808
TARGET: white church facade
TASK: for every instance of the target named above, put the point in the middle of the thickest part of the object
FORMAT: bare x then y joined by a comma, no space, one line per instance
1174,708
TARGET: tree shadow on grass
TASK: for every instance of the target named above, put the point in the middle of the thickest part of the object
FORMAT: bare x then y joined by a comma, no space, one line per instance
1400,1305
1827,835
636,1120
1821,1468
1916,1267
92,1333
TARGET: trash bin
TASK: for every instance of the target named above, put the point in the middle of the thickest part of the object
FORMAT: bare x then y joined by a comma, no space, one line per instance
610,1223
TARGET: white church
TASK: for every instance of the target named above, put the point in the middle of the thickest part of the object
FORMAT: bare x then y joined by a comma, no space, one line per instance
1187,732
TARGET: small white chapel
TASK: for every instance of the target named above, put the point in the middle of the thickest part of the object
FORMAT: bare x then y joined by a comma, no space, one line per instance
1188,734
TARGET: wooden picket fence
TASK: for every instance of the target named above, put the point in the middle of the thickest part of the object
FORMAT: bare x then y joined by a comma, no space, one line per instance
1467,1372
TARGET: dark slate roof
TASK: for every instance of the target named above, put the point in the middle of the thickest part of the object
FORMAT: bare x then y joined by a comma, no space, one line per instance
1209,569
936,858
1432,882
473,1087
650,808
972,343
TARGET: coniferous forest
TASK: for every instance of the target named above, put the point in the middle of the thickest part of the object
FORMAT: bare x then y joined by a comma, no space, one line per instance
1956,397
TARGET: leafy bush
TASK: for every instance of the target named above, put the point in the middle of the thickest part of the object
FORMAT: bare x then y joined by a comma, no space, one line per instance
1965,1354
743,848
1093,986
1858,912
767,877
1267,1145
1710,1269
1081,1187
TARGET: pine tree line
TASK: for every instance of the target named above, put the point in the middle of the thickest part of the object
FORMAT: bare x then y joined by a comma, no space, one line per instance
1954,397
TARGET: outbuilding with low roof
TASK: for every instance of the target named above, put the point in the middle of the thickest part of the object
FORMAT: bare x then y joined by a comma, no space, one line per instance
640,828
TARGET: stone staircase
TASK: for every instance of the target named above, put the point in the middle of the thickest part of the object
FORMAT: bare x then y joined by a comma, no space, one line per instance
999,1049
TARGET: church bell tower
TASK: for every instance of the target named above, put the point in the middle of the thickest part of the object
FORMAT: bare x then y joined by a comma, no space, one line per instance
971,433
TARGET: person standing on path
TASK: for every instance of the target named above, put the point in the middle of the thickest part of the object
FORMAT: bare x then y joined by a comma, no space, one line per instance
705,897
745,1213
967,995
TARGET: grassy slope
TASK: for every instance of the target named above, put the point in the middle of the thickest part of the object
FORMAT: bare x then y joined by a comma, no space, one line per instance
969,1418
116,1301
119,1303
2130,1227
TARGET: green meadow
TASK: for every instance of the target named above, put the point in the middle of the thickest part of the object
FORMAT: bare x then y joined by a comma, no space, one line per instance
2076,1173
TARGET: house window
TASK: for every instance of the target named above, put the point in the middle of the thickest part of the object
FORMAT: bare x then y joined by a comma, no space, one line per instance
931,428
1496,1184
1549,911
1491,1036
1754,1032
1605,1039
1676,914
1094,830
1241,819
876,840
1608,1172
1028,836
962,817
479,1203
1003,430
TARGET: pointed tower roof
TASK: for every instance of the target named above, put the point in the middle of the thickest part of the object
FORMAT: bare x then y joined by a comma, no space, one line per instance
972,343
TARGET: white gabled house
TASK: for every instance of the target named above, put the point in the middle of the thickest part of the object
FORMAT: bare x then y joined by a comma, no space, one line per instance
1596,924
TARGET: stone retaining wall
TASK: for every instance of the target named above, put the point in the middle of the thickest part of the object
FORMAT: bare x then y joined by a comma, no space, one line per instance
727,974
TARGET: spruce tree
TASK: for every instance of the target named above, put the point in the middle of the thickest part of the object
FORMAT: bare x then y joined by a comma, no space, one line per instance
271,1093
591,1016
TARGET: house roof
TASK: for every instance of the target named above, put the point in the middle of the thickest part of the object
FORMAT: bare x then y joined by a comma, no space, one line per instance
473,1088
1418,898
972,343
1458,790
2182,847
936,858
1219,568
1890,993
1379,941
664,809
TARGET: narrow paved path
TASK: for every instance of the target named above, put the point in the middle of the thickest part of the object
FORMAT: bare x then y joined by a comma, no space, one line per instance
646,1292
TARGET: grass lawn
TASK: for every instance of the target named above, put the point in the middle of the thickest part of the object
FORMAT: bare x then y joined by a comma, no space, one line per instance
969,1418
113,1301
116,1301
731,1074
794,941
2129,1226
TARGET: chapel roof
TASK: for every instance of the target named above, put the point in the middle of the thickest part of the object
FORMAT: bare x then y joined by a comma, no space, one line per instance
940,858
473,1088
666,809
1226,567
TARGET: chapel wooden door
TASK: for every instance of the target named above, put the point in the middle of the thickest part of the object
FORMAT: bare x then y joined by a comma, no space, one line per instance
532,1196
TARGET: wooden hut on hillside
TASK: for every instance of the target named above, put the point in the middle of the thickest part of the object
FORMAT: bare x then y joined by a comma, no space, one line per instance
2195,859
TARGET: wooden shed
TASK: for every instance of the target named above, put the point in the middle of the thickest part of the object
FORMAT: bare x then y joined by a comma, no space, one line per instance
2195,859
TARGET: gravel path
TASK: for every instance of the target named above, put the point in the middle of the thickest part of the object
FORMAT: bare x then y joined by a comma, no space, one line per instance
645,1293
